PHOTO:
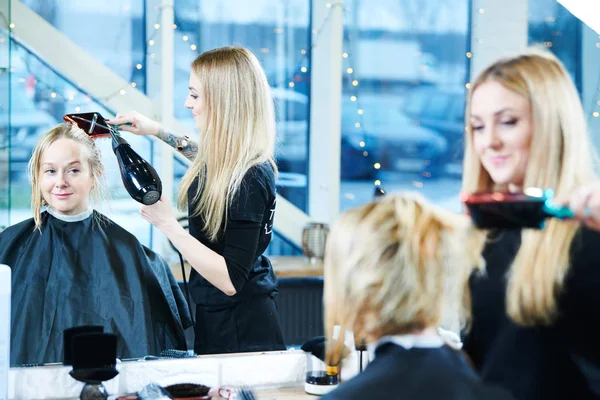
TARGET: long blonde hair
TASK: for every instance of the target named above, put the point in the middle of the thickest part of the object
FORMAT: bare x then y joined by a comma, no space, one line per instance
394,266
561,158
239,131
63,131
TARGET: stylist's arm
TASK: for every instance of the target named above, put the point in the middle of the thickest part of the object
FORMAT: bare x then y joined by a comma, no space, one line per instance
206,262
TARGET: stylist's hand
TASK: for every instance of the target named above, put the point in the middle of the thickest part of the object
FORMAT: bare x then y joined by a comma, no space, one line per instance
585,202
160,214
140,124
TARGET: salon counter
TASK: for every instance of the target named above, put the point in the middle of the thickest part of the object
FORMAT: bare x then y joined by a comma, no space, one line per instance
272,375
284,267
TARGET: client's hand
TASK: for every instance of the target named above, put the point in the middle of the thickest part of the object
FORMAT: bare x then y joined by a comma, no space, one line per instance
160,214
140,124
585,202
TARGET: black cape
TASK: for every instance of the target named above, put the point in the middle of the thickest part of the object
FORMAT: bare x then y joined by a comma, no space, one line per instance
417,374
89,272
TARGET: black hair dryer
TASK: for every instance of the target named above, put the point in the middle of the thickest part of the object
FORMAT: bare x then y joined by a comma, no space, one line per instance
139,177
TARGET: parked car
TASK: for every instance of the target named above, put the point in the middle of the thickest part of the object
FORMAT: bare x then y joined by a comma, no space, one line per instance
443,111
397,142
293,115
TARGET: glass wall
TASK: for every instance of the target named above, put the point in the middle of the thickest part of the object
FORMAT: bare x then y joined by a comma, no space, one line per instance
405,67
4,115
577,46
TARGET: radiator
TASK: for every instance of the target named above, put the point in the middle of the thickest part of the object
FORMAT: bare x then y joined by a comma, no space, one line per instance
300,303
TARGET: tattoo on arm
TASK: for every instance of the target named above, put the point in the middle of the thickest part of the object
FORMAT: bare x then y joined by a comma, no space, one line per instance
183,145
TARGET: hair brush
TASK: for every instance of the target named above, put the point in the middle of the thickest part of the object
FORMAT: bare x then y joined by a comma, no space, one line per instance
528,209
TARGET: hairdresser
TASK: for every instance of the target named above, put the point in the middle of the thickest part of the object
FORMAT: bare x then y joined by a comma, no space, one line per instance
535,318
229,191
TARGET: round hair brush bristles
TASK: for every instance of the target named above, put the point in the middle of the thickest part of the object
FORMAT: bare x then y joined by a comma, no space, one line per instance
187,390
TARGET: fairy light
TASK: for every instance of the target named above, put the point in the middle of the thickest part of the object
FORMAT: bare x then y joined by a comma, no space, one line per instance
53,95
469,54
151,42
349,70
185,38
133,84
139,66
77,109
193,47
596,114
123,92
303,69
352,98
156,26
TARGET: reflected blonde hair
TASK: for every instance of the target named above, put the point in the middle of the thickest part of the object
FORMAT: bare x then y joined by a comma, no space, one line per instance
396,265
561,158
239,131
92,155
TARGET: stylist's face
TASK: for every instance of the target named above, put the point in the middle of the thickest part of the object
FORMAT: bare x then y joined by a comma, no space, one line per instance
194,100
502,124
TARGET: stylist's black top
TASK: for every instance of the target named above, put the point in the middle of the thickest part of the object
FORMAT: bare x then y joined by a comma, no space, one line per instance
247,321
560,361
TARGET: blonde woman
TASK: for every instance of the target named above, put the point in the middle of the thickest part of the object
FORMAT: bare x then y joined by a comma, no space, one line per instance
73,266
387,268
230,193
535,311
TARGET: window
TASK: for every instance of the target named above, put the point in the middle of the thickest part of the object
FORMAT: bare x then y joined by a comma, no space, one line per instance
404,81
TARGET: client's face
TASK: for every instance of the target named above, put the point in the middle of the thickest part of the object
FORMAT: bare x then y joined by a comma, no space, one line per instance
65,178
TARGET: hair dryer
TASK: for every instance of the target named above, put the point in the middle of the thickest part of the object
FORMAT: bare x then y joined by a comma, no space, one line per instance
139,177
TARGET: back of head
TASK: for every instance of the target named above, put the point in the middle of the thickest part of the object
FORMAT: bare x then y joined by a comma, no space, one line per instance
387,268
92,155
561,155
238,127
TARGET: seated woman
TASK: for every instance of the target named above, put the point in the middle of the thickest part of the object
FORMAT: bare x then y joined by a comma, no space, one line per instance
392,268
73,266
